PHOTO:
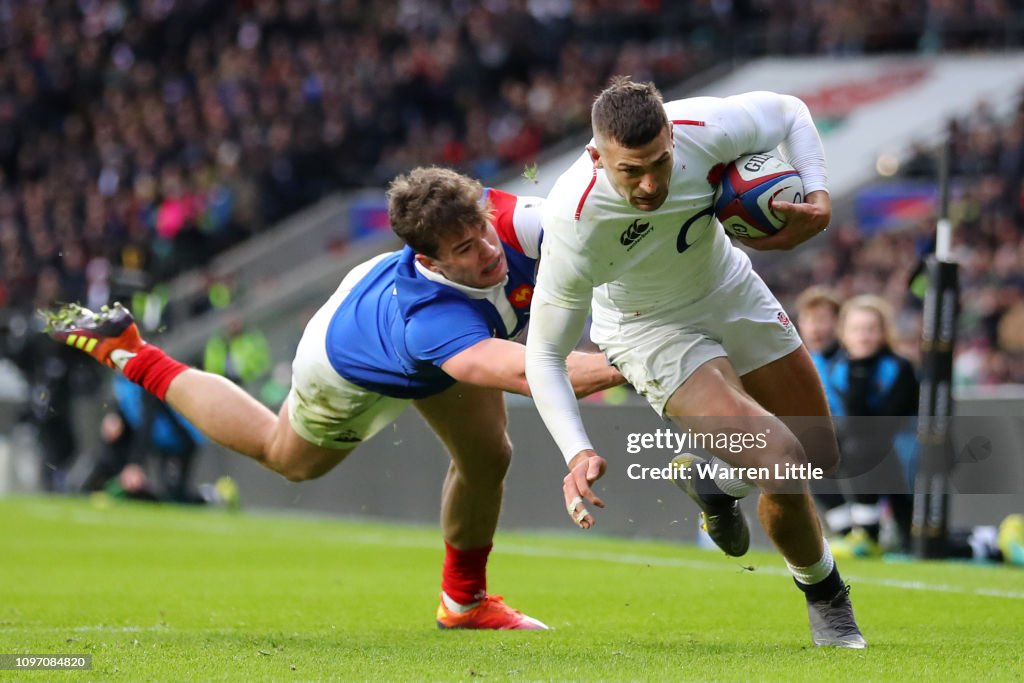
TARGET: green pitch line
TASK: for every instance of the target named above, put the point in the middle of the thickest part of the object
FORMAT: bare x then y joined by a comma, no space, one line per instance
163,593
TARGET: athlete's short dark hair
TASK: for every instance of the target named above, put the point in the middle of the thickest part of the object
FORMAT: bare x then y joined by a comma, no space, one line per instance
429,203
632,114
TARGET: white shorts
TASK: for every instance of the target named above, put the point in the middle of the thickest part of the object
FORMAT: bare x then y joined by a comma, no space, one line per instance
658,350
323,407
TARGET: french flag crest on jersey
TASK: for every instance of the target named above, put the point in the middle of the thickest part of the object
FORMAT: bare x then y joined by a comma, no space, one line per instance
517,222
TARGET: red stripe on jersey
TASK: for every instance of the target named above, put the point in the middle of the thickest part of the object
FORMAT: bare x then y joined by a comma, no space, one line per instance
687,122
590,186
503,208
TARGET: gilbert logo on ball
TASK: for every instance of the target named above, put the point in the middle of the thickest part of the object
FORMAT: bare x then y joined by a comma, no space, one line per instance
749,188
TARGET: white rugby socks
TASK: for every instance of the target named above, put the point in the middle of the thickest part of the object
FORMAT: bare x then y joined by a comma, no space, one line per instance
817,572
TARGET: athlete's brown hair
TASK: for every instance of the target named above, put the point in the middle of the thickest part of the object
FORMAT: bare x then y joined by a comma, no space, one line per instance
429,203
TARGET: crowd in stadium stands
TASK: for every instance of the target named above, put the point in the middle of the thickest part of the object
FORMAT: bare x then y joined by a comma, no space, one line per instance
143,136
138,137
987,210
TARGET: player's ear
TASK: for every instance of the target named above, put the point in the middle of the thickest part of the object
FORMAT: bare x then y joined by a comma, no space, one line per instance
428,263
595,155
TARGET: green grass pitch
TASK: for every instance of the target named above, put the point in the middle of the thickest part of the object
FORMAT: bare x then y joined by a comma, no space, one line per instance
160,593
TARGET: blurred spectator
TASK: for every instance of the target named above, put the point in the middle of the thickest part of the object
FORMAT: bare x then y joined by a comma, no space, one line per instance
817,310
870,388
52,371
141,138
239,353
140,427
274,391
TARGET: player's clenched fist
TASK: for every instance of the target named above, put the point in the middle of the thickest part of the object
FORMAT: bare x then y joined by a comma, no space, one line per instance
584,469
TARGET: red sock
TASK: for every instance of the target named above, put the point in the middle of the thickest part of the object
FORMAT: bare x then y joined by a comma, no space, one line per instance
153,370
464,578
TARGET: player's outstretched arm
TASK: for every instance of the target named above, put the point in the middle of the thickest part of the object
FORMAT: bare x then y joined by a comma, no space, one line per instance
553,331
589,373
501,364
803,221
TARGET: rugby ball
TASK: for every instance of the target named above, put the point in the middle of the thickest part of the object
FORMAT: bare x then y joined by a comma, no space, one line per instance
748,189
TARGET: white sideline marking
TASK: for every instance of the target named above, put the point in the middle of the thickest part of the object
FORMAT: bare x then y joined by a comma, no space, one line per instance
657,561
393,540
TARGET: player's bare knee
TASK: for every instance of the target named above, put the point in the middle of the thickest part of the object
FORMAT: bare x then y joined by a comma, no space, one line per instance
786,463
820,445
294,476
498,461
292,468
826,456
291,465
301,472
487,466
779,445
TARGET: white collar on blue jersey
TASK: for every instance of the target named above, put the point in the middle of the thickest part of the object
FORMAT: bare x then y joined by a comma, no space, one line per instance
471,292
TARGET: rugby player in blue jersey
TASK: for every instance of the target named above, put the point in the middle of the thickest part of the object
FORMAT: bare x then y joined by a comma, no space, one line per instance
430,325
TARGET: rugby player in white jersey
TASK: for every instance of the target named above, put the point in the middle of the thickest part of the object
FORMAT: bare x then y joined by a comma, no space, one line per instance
678,309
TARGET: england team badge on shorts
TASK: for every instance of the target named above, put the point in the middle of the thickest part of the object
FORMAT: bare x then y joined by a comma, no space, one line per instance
784,321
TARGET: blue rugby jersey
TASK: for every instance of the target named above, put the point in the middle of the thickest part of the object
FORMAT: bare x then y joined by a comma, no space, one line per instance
397,326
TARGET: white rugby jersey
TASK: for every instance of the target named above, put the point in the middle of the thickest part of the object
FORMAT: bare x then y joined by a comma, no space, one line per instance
633,261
